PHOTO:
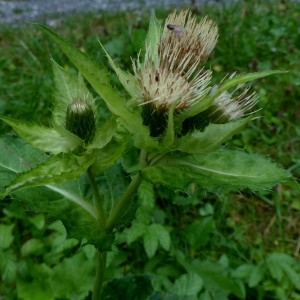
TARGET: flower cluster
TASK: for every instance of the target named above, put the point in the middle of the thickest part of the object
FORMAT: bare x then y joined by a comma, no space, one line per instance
177,78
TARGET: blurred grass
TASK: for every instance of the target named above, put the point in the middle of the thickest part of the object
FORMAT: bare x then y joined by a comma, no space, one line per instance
254,36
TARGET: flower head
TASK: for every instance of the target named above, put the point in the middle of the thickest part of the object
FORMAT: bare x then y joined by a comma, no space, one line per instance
178,77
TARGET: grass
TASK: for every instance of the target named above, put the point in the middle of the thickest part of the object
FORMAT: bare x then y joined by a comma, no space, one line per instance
253,37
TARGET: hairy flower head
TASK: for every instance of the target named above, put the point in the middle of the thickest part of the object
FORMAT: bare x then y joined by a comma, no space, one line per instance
177,77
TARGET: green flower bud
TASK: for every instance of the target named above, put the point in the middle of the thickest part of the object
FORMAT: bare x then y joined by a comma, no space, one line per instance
81,120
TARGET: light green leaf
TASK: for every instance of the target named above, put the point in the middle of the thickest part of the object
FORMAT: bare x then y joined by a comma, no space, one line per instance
256,275
32,247
38,221
211,138
8,265
73,278
111,143
224,86
38,287
57,169
6,235
128,81
215,277
68,87
162,235
152,41
222,169
188,285
53,140
136,231
150,242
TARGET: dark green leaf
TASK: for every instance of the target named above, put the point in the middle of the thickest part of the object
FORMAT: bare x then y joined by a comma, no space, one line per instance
135,287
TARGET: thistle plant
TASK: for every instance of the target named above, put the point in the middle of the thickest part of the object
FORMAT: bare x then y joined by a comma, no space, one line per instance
173,122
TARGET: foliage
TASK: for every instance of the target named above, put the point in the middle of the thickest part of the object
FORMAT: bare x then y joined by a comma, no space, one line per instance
183,243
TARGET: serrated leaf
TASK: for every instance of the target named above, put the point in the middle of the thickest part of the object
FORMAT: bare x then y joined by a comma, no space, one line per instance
150,242
57,169
38,286
162,234
73,278
222,169
224,86
188,285
6,235
128,81
216,278
211,138
53,140
136,231
256,275
8,265
68,87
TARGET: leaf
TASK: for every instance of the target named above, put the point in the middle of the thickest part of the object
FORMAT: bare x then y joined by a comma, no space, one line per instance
222,169
211,138
32,247
136,231
137,287
57,169
73,278
150,242
128,81
114,144
224,86
282,263
66,203
68,87
188,285
17,156
6,235
152,41
38,287
216,278
198,233
53,140
162,234
8,266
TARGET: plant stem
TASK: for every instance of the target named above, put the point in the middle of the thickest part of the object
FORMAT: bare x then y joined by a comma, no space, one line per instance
97,198
101,266
124,201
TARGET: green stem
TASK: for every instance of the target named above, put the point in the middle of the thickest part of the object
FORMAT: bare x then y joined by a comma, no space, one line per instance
124,201
97,198
101,266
